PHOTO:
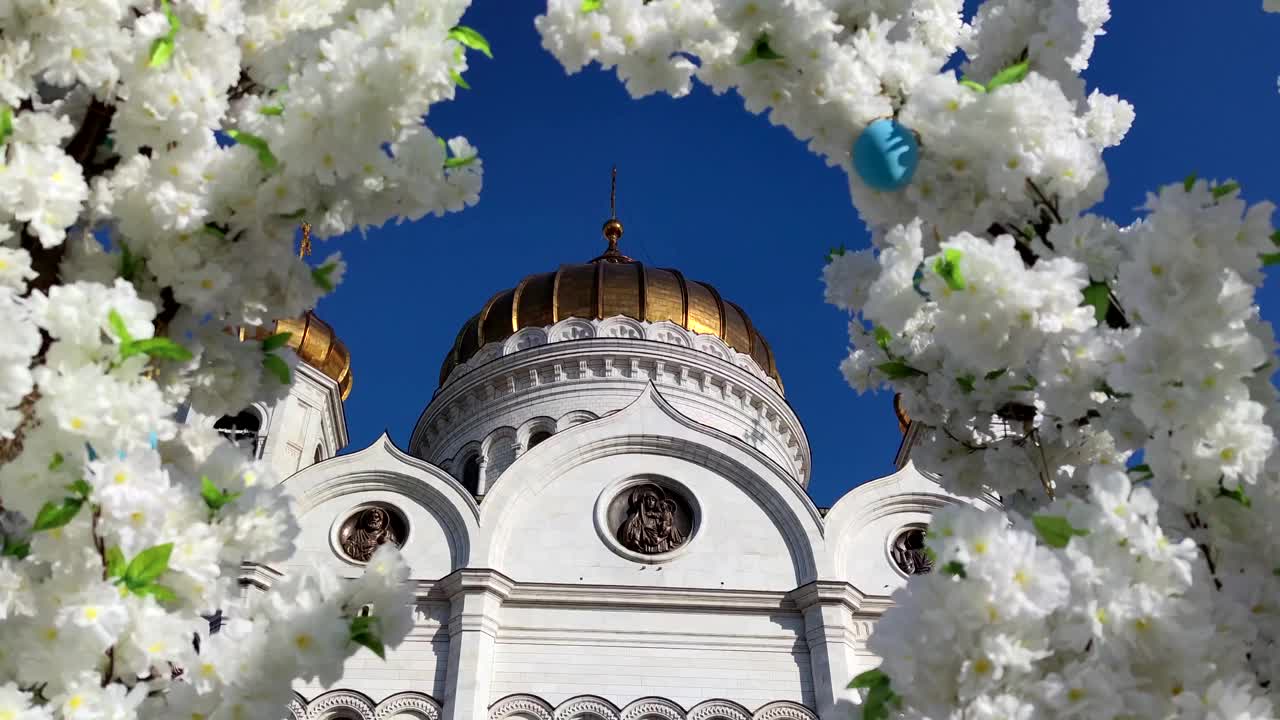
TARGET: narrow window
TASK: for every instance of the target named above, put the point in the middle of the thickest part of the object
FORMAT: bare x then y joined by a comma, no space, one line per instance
471,474
241,430
538,437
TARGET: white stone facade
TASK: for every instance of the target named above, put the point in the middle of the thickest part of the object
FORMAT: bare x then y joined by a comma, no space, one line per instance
528,603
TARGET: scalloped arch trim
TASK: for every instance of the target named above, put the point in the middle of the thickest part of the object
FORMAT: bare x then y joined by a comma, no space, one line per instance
593,707
343,704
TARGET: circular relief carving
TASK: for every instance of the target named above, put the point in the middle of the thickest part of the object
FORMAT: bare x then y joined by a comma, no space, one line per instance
367,526
647,518
907,550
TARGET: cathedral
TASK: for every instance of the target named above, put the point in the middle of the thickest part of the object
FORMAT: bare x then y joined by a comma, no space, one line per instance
604,507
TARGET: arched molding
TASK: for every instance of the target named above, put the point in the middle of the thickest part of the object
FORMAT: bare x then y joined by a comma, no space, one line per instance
475,448
529,706
383,467
330,706
573,418
412,704
713,345
588,707
567,329
524,339
298,707
652,707
621,327
753,472
534,425
500,448
784,710
718,710
670,333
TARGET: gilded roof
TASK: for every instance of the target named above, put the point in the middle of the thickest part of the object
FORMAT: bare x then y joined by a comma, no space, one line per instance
610,285
318,346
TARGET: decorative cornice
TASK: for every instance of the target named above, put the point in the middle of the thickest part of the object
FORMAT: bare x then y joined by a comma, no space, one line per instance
258,575
322,706
643,709
334,407
476,580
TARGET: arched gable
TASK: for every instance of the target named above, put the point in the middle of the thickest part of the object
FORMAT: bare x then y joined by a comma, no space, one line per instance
650,427
437,509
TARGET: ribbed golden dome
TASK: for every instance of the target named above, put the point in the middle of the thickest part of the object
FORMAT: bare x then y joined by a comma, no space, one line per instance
610,285
318,346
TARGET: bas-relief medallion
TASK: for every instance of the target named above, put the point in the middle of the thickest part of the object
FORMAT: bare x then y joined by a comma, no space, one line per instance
654,520
369,527
909,553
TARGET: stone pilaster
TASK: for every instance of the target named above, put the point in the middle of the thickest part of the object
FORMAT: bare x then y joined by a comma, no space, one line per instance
475,603
828,607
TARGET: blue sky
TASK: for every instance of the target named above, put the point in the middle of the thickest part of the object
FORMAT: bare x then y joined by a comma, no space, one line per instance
729,199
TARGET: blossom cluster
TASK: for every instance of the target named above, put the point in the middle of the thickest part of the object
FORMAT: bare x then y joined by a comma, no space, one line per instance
156,160
1110,385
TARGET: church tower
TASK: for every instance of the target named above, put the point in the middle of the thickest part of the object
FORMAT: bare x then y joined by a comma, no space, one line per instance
604,506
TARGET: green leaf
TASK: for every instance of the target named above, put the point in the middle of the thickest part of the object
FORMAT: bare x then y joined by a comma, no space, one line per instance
267,160
1189,182
115,562
869,679
1237,495
276,341
278,367
156,347
215,230
295,215
161,593
130,264
6,124
1099,296
80,489
1010,75
1269,259
15,548
995,374
835,253
1055,530
879,698
457,79
897,370
213,497
56,462
948,267
1275,238
760,50
272,110
1030,385
976,87
966,383
456,162
366,630
147,565
882,338
56,515
591,5
320,275
472,39
117,326
1224,190
161,51
1143,469
955,568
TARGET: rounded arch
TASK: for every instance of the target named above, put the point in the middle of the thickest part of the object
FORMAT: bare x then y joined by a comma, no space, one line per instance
784,710
621,327
719,710
573,418
587,707
500,449
405,705
653,708
542,426
341,705
529,707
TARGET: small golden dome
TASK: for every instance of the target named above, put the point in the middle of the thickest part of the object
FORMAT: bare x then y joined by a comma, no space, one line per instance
904,420
318,346
610,285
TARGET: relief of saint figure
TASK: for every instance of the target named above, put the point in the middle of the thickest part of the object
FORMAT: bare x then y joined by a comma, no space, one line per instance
371,528
909,553
651,526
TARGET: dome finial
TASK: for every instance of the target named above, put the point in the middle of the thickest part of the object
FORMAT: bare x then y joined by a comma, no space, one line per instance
613,227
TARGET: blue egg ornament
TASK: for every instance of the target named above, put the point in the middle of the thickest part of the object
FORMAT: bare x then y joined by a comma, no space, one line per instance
886,155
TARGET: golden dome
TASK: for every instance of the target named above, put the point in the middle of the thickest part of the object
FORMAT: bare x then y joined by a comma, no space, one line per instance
610,285
318,346
904,420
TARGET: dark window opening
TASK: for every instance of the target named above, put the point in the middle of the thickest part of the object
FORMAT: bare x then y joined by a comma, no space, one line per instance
538,437
471,474
241,430
318,458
